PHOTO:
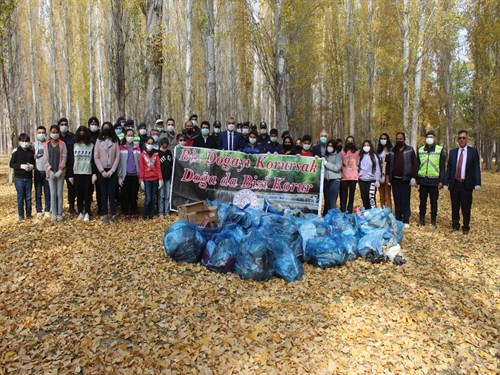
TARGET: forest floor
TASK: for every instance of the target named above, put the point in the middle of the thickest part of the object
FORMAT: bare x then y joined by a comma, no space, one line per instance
86,298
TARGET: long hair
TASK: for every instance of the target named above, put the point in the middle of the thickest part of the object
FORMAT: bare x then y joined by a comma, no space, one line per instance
86,135
380,148
111,134
372,154
354,149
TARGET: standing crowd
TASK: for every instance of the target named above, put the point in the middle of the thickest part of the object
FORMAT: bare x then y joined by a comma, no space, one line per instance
116,160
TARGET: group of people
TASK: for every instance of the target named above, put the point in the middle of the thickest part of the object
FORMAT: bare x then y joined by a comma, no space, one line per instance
114,160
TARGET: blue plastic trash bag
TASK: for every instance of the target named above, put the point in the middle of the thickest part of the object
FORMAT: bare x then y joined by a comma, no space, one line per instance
347,243
341,222
255,215
324,252
238,216
254,259
286,264
372,220
396,227
307,231
183,242
373,241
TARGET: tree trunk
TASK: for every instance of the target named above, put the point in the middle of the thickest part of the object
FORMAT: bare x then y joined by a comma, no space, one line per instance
280,88
67,59
351,70
406,65
52,51
154,13
32,67
370,71
91,61
118,59
189,62
212,84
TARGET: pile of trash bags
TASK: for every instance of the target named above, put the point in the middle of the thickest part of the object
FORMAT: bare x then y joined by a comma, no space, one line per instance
259,245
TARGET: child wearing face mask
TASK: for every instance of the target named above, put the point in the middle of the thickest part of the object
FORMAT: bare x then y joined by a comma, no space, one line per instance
23,163
383,148
128,175
349,179
333,165
40,178
84,171
369,174
150,177
306,146
166,162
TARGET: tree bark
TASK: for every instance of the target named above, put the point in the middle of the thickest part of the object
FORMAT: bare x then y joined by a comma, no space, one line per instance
118,59
351,69
32,68
52,51
154,13
406,65
189,62
212,84
91,61
67,58
280,84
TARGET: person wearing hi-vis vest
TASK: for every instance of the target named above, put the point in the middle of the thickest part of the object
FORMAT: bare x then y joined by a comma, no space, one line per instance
430,176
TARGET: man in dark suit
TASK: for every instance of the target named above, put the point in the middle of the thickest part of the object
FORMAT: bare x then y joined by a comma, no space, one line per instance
320,148
205,140
230,140
463,175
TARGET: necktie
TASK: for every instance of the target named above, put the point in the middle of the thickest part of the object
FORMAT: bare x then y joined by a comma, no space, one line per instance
231,141
458,173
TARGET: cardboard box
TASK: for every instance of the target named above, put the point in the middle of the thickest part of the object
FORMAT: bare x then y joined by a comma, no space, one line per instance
199,213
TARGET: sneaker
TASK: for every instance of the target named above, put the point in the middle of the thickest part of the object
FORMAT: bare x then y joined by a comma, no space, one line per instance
54,218
114,219
80,216
161,216
59,218
39,215
406,225
47,214
105,219
21,220
421,223
86,218
72,211
128,219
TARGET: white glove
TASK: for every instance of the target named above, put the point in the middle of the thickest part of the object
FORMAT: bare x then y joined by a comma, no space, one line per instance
142,185
445,187
160,184
382,180
269,153
413,182
316,156
72,180
477,187
324,159
57,174
25,166
120,181
275,153
377,184
30,167
94,179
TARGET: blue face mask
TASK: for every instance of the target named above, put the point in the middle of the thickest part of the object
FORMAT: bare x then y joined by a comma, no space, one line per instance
322,140
118,131
205,131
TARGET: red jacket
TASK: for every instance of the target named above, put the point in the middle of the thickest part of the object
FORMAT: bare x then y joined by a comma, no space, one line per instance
149,167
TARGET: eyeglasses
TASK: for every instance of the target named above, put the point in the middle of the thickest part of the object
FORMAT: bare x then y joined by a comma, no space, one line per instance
462,137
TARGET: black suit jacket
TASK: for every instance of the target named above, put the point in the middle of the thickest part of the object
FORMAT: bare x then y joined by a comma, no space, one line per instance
237,139
472,168
210,143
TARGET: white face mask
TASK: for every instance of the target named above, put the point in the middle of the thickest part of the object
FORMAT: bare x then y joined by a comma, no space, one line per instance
170,128
24,145
238,130
273,139
429,140
64,128
182,143
383,142
130,139
160,129
263,131
245,131
366,149
94,128
54,135
252,140
143,131
230,127
155,137
216,130
149,147
329,149
195,123
306,147
41,137
163,149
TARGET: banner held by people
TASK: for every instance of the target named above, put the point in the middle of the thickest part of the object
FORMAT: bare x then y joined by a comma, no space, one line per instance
282,181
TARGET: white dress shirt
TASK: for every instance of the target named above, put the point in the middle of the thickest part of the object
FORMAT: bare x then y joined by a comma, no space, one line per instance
464,161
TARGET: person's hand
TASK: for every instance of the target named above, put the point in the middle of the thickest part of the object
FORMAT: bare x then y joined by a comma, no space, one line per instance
477,187
51,175
275,153
440,185
25,167
413,182
72,180
142,185
94,179
316,156
382,180
120,181
377,184
30,167
445,187
323,159
57,174
105,174
388,183
160,184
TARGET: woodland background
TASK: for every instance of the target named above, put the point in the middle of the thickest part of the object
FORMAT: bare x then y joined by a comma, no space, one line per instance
351,66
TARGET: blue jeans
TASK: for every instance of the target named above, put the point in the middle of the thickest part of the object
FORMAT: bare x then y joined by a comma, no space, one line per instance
331,192
41,182
108,192
23,189
164,203
150,190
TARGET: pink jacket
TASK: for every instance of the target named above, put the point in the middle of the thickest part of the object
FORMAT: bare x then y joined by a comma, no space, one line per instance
63,156
350,161
106,155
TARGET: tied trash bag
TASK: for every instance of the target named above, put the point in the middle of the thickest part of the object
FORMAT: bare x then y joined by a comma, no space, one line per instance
235,215
341,222
347,243
254,259
325,252
219,254
373,242
183,242
286,264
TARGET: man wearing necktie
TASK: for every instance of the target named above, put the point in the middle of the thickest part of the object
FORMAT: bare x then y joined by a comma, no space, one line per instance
230,140
463,175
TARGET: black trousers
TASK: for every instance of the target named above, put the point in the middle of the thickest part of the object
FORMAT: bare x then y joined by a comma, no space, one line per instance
401,192
347,190
433,193
368,190
83,186
461,198
71,193
128,195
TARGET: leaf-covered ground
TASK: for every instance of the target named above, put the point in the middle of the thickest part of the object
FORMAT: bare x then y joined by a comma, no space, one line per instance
81,297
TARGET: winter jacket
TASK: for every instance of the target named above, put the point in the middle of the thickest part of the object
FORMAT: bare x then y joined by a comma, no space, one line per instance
410,164
63,157
122,168
333,166
106,155
149,167
22,156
